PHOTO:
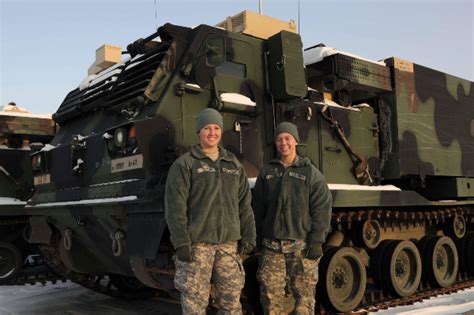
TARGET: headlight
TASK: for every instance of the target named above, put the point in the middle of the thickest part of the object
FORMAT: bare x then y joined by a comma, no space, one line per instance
121,137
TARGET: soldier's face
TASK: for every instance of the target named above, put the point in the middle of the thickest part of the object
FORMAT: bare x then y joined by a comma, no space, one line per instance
210,136
286,144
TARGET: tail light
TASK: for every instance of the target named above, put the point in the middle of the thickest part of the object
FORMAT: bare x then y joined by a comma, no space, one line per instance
132,140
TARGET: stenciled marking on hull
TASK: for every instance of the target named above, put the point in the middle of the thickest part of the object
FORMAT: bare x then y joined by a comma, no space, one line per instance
127,163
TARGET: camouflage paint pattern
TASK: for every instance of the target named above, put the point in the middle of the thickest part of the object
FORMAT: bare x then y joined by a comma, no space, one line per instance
34,127
218,262
415,113
276,271
435,113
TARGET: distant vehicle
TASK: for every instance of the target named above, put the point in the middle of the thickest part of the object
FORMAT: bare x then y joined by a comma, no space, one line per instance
20,133
394,139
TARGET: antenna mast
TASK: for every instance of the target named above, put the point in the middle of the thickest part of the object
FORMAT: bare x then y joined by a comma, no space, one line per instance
260,7
299,18
156,16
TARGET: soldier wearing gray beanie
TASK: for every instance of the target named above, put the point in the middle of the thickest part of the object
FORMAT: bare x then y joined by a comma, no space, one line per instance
289,128
292,209
208,116
210,219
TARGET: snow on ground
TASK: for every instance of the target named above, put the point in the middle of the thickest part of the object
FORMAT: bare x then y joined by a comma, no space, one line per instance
461,302
70,298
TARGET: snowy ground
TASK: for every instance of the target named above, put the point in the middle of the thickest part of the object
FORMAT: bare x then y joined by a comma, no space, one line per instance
461,302
69,298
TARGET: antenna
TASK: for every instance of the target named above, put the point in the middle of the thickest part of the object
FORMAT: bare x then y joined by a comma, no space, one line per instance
260,7
299,17
156,17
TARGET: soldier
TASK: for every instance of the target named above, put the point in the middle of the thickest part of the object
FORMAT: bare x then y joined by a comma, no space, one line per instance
210,219
292,205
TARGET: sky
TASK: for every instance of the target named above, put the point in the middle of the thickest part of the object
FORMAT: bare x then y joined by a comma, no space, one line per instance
46,46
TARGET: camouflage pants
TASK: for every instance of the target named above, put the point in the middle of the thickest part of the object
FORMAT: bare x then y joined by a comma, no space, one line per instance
218,262
275,269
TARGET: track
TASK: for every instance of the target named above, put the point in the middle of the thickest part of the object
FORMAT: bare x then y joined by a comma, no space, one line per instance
23,259
116,286
411,230
400,217
113,285
374,297
33,273
382,302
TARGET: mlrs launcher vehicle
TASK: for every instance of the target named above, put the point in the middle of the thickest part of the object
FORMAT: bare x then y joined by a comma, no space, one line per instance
395,141
20,133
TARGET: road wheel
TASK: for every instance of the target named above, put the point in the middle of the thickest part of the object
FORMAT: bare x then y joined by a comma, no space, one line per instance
10,262
456,227
343,279
368,234
440,261
401,268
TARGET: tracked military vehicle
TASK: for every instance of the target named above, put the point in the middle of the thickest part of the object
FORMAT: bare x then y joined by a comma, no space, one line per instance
20,133
394,139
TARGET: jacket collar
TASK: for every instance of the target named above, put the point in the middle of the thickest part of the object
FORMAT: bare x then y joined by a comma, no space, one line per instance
196,152
299,162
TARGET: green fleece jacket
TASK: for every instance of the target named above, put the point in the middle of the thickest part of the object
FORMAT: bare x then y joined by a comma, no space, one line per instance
292,203
208,201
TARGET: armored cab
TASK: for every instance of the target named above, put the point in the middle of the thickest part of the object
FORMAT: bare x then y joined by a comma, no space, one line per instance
20,133
377,132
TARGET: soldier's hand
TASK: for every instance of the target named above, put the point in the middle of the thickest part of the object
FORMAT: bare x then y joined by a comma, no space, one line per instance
185,253
244,248
314,251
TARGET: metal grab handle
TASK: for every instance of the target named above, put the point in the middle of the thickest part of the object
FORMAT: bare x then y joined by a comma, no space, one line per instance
280,65
67,234
117,245
333,149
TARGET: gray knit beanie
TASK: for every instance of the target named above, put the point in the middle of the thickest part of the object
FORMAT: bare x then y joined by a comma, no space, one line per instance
289,128
208,116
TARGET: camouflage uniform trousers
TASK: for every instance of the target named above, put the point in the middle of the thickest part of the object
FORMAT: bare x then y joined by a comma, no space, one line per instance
222,264
275,269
